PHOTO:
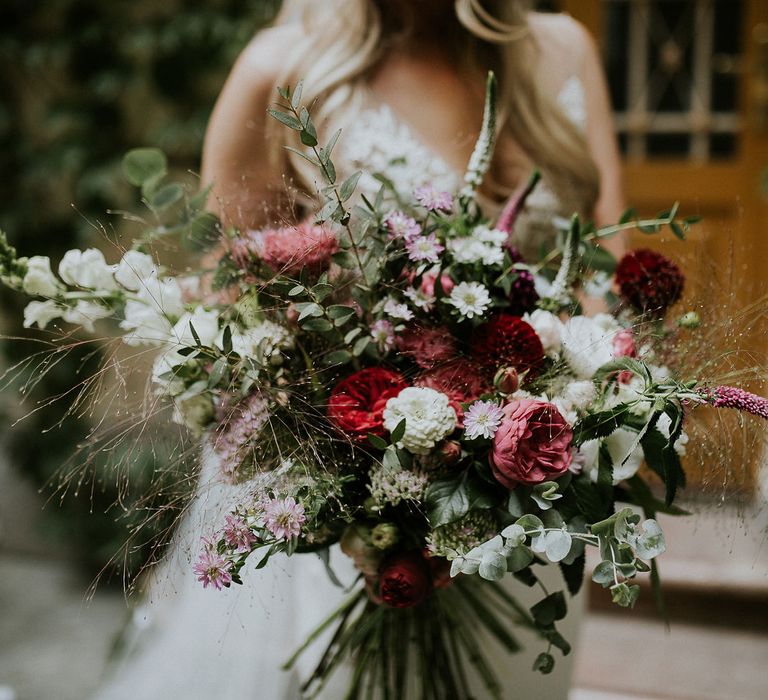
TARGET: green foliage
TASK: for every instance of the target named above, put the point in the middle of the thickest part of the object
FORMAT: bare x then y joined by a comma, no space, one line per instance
85,81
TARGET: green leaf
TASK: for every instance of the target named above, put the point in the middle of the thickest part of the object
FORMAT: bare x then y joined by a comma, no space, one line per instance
332,143
321,291
296,97
309,309
167,195
345,259
303,155
361,346
603,574
338,357
318,325
296,291
550,609
347,188
143,164
218,371
377,442
677,230
288,120
351,335
493,566
446,501
340,314
325,213
573,573
226,340
308,139
399,431
195,335
600,424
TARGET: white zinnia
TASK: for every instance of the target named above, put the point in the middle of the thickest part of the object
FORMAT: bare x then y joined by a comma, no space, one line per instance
588,343
620,448
39,280
470,299
428,418
41,313
134,268
548,327
87,268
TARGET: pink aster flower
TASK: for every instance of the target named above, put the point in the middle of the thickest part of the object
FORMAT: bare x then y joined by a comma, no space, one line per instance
294,248
424,248
433,199
212,569
482,419
237,534
383,334
284,517
732,397
401,225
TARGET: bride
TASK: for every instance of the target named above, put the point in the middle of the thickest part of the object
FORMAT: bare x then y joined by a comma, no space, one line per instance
405,80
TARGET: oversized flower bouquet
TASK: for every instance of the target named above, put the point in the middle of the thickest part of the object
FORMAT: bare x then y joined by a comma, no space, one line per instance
391,375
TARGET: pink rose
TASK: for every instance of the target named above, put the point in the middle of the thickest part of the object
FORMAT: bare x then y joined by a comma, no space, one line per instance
427,346
533,444
290,249
624,344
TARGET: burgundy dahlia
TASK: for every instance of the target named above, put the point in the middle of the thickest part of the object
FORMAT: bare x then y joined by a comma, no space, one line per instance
356,404
405,579
461,380
648,281
507,341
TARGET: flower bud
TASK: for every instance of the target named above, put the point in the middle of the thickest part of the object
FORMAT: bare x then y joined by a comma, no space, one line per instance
450,452
689,320
507,380
291,314
384,536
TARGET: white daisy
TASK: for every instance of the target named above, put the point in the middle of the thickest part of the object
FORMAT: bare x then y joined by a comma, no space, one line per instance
470,299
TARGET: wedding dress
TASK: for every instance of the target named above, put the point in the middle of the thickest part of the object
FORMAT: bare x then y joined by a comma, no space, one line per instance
193,643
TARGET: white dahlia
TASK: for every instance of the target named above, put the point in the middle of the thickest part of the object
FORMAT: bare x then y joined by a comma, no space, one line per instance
428,418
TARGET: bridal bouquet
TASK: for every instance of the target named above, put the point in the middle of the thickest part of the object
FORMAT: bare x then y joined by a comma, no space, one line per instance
390,375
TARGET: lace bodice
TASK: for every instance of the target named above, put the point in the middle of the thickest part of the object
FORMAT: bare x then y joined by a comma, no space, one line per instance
379,141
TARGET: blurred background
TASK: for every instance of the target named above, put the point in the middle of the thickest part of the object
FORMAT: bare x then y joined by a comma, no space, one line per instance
85,80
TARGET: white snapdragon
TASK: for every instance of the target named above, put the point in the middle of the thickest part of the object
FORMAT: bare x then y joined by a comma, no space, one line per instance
428,418
41,313
470,299
134,268
85,313
150,317
205,323
87,268
39,280
548,327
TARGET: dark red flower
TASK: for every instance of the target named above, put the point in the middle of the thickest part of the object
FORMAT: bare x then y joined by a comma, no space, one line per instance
405,579
460,380
507,341
523,295
648,281
356,403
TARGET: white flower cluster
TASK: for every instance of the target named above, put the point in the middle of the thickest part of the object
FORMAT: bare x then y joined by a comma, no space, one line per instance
390,486
483,245
428,418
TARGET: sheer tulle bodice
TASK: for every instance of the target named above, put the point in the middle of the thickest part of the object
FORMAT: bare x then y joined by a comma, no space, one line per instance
231,644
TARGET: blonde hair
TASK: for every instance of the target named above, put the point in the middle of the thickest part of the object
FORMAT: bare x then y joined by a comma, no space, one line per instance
345,39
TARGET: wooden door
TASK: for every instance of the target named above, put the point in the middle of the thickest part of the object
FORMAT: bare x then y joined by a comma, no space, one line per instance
689,82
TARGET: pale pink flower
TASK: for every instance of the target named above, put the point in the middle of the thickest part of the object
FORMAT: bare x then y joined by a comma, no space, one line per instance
624,344
212,569
237,534
284,517
291,249
482,419
433,199
429,280
401,225
424,248
383,334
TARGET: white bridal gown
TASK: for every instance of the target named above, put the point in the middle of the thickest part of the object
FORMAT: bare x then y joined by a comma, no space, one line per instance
189,643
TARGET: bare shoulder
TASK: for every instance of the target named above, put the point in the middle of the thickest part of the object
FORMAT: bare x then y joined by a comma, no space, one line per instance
563,42
264,58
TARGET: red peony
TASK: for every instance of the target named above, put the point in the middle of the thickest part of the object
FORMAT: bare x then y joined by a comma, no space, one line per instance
427,346
356,403
405,579
648,281
507,341
532,444
460,380
291,249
